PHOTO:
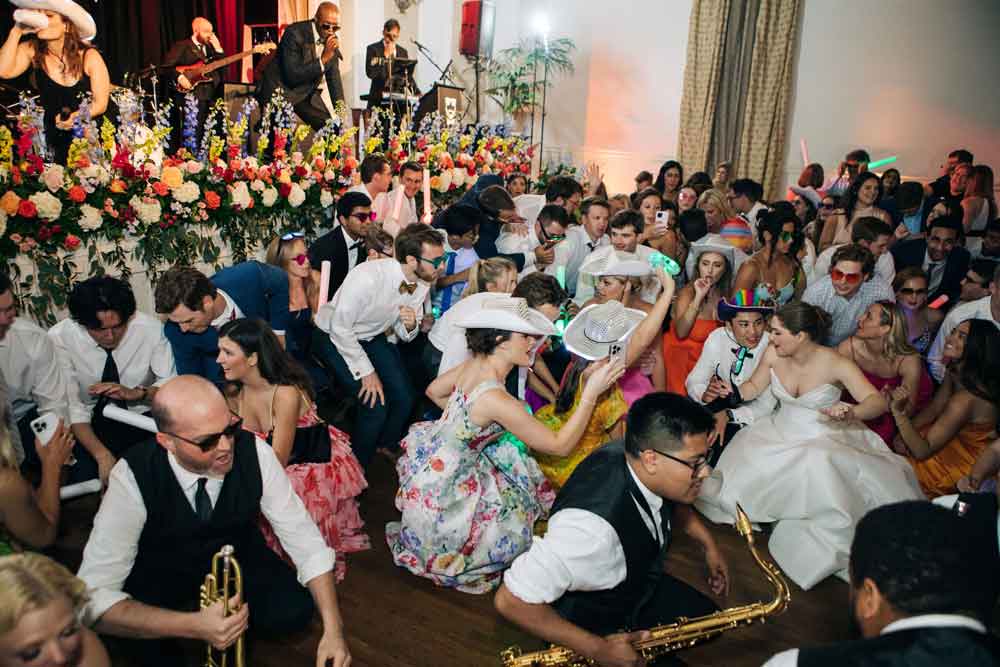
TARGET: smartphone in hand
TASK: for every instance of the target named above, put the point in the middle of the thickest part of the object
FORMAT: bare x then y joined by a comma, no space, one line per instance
45,427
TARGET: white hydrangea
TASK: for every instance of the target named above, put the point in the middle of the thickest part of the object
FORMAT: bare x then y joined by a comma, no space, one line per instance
187,193
326,198
146,210
445,181
90,218
49,207
269,196
241,195
297,196
458,176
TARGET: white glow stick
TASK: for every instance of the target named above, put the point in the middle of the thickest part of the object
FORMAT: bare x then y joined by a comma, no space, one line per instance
805,152
427,196
324,283
131,418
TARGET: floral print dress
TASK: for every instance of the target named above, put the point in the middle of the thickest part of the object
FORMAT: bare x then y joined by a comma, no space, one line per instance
469,500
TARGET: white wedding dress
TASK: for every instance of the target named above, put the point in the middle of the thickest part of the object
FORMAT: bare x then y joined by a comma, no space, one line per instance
810,475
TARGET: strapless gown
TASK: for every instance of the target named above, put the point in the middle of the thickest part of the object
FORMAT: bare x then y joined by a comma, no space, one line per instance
811,476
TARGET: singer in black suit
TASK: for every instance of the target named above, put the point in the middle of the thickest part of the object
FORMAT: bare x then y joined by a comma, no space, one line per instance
306,67
344,246
202,46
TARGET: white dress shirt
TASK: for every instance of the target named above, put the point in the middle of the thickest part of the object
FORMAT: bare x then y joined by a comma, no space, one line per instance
111,550
529,206
579,247
366,305
143,357
512,243
232,312
885,266
29,366
973,310
790,658
586,282
718,354
580,552
383,206
352,254
448,337
324,90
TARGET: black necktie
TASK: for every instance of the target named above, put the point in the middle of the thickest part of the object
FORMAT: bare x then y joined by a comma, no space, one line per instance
202,503
110,374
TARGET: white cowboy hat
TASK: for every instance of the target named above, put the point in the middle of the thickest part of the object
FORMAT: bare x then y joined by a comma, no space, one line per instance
509,314
593,331
714,243
73,13
618,264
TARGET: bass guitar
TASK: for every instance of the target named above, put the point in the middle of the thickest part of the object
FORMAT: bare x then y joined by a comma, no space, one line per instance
197,73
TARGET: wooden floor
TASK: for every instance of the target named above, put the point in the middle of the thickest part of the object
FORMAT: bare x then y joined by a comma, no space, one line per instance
394,618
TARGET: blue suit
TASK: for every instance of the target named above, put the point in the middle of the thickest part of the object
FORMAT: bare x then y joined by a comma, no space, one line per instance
259,290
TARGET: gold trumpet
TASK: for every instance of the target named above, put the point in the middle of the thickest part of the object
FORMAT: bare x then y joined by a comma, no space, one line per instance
684,632
212,592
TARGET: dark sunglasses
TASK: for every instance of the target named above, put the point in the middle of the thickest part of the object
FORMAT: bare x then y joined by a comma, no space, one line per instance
700,464
913,291
850,278
329,26
364,217
825,205
210,442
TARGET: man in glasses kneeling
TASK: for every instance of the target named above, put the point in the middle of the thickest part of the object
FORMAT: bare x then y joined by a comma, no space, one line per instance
175,501
848,290
601,565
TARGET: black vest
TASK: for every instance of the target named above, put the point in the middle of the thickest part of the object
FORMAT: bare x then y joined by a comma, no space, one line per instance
175,548
601,484
919,647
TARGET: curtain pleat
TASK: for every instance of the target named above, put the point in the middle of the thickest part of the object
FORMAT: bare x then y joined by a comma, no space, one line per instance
733,82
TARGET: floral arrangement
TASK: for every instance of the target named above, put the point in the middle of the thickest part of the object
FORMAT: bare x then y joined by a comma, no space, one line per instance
120,196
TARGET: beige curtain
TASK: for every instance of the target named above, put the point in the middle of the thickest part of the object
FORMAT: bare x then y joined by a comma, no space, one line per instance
705,51
290,11
769,93
733,82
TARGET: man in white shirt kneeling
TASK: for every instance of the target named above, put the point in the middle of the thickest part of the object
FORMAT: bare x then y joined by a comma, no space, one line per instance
600,566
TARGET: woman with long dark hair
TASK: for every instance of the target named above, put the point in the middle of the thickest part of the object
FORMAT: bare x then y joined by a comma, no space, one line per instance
64,66
669,179
774,273
860,201
273,395
812,467
945,439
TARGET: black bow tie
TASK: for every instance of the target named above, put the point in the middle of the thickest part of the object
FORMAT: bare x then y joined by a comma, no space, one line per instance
356,245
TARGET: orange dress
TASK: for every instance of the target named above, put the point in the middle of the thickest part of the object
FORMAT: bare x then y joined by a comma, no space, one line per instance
939,474
680,356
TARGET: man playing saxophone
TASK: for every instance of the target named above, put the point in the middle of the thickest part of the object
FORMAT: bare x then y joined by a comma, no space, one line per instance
172,503
601,565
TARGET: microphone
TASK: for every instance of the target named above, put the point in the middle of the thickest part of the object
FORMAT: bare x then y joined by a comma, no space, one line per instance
419,45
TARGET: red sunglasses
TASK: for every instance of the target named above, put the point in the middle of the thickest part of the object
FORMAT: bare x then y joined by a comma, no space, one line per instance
300,259
850,278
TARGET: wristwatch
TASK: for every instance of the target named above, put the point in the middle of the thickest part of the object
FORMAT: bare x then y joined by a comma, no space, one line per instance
730,415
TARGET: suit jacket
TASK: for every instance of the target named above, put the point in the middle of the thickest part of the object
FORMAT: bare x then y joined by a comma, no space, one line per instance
332,247
185,52
296,69
259,290
377,70
912,252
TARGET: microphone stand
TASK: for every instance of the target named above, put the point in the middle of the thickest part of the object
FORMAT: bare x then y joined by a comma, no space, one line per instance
446,77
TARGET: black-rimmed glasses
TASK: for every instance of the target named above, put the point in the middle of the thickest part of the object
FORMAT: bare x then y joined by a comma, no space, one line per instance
696,467
210,442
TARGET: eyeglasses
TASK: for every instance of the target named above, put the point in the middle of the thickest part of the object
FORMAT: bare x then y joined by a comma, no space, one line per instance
546,237
364,217
293,235
825,205
850,278
300,259
696,467
208,443
913,291
435,262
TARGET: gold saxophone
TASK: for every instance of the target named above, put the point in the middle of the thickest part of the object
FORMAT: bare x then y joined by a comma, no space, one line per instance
217,587
684,632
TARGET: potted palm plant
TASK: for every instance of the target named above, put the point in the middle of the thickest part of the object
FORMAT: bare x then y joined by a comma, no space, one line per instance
517,76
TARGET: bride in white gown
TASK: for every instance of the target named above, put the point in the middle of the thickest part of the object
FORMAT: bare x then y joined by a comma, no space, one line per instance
812,468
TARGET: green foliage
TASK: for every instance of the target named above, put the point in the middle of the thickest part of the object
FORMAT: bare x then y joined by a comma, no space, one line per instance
516,75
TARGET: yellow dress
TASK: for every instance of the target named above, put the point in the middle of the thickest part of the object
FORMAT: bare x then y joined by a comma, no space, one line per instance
609,410
939,474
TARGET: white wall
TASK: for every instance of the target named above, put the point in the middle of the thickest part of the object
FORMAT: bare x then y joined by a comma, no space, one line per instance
913,78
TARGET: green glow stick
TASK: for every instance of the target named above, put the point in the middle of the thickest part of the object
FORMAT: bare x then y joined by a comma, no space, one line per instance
881,163
561,276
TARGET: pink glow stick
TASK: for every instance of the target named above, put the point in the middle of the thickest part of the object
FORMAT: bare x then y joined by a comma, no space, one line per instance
397,205
805,152
427,196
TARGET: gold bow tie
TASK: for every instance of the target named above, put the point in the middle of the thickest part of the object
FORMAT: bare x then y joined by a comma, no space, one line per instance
407,288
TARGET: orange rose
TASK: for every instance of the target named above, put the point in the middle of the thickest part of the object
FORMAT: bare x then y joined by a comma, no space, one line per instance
212,199
117,186
172,177
161,188
77,194
9,202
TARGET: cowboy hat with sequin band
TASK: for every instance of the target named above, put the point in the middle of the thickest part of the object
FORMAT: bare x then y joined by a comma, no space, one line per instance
509,314
714,243
592,333
744,301
70,10
618,264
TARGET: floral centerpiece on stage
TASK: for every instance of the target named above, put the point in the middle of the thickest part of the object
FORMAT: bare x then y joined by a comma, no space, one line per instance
120,198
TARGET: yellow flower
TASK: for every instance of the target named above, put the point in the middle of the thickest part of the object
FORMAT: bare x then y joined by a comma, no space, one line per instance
172,177
301,132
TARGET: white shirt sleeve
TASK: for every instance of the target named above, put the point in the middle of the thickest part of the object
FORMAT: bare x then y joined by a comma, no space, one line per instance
699,377
162,362
293,525
338,317
580,552
48,385
789,658
114,542
79,412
